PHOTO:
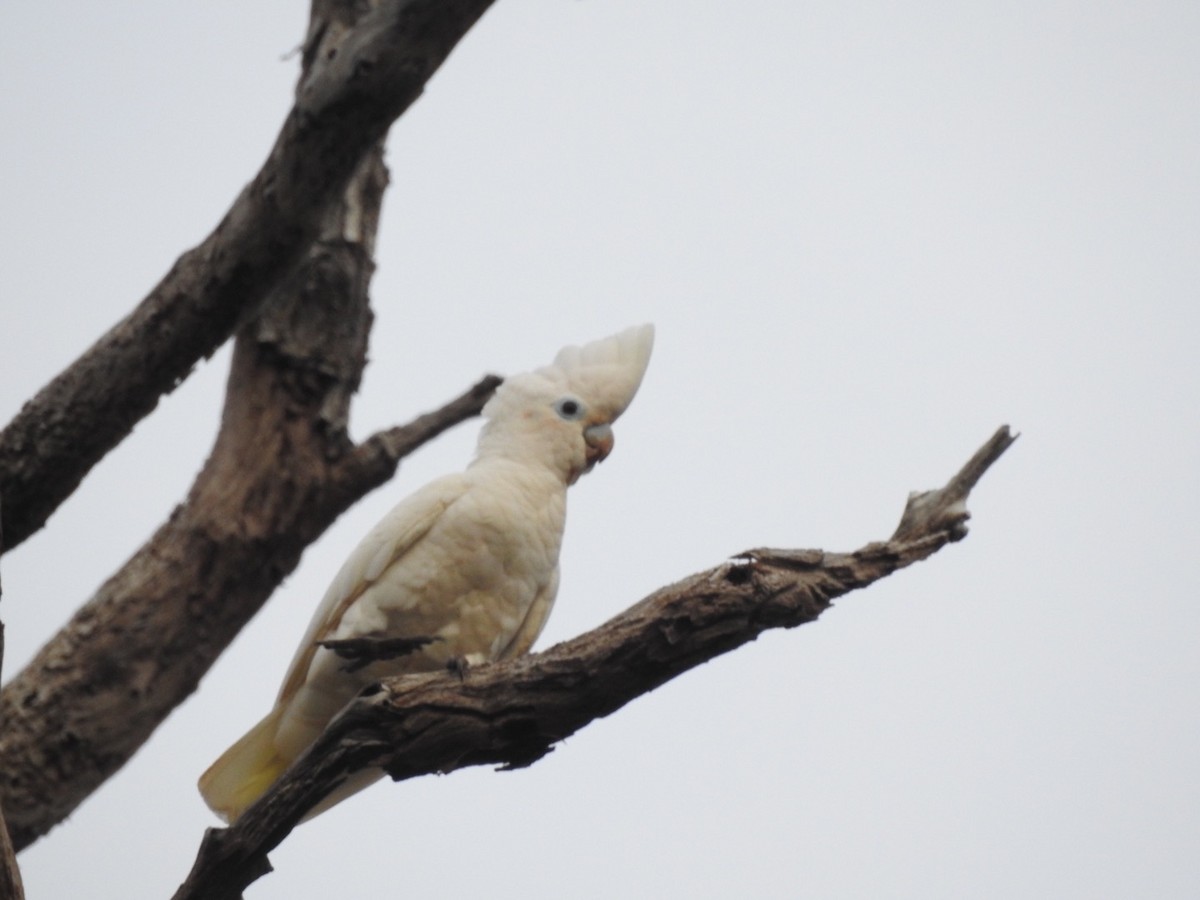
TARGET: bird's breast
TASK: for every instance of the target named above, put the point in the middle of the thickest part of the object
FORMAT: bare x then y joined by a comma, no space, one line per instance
472,579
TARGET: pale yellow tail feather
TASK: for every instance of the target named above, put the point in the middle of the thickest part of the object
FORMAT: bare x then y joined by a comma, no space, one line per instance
243,772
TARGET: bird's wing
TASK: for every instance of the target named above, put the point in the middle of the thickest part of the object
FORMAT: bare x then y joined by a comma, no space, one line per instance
395,535
534,622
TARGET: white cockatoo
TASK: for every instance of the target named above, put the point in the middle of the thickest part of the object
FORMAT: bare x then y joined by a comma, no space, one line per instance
468,563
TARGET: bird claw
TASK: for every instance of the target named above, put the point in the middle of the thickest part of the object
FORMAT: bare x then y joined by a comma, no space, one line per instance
361,652
458,665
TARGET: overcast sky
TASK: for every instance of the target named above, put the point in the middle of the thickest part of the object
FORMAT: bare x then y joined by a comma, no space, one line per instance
868,234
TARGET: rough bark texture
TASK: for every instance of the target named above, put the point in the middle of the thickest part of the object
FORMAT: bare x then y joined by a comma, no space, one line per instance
513,713
11,887
10,874
358,81
282,469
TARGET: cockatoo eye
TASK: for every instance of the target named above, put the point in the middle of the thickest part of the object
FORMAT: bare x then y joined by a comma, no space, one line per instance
569,408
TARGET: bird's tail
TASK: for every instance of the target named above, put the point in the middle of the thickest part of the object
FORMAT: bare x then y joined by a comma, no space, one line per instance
243,772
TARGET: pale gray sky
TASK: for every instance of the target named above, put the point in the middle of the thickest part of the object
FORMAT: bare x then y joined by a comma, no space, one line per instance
868,235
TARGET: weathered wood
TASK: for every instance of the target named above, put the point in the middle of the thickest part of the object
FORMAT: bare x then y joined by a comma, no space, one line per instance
513,713
11,887
283,467
358,82
281,471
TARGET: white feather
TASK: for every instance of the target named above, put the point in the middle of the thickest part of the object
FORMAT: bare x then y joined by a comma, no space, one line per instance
469,560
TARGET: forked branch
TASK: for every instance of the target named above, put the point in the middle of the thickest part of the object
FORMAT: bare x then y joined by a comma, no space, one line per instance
361,81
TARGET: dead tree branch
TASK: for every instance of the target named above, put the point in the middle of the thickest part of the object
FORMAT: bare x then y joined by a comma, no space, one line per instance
282,470
511,714
11,887
290,265
96,692
358,81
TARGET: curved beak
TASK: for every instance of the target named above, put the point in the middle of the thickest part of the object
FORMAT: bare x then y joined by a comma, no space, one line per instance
599,440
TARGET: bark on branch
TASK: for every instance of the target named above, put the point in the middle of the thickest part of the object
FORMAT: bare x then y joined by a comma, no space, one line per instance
511,714
96,692
358,81
290,265
282,469
11,887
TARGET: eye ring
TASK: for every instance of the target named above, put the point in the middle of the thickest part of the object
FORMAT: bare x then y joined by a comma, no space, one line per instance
569,408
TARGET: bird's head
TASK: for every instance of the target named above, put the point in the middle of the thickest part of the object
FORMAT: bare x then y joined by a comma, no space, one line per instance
561,415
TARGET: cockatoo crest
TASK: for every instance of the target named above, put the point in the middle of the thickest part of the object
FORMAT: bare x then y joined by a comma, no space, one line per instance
605,374
587,387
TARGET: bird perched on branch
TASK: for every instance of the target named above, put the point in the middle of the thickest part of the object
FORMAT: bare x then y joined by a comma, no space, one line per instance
464,571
